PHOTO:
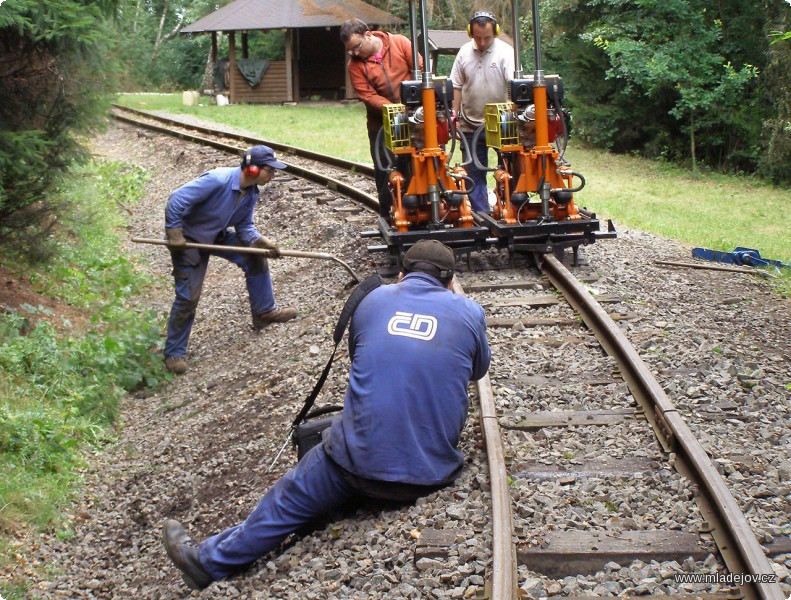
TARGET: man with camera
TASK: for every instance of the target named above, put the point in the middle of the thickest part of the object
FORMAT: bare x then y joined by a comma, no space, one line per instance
414,347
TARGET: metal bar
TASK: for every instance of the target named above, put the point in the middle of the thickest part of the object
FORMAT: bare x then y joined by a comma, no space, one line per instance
424,31
504,573
248,250
517,59
694,265
537,44
413,31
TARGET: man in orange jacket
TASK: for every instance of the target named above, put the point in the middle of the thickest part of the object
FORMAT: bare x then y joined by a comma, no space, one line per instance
379,63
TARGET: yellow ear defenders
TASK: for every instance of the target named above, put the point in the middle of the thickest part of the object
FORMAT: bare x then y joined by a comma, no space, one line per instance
484,14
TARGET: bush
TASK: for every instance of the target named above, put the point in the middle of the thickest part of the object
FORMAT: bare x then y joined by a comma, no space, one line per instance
55,76
60,383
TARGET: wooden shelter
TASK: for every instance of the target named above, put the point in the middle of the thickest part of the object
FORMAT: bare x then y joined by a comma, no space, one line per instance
315,59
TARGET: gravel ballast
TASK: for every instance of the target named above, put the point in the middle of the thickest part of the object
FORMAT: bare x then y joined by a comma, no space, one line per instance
199,449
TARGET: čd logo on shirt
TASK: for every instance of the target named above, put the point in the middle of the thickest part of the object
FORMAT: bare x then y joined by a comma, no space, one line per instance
419,327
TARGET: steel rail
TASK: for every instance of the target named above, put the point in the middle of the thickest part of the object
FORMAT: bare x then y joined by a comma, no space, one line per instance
504,574
330,183
735,539
252,141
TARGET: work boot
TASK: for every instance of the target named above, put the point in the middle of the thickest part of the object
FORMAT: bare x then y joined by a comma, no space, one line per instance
176,364
278,315
183,551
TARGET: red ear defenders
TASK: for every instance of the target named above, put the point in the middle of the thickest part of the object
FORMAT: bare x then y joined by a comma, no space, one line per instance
249,170
484,14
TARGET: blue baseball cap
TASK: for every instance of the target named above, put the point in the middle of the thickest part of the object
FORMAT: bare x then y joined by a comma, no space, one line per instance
262,156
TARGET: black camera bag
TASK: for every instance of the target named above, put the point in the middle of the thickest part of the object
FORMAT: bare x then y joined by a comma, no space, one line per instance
308,433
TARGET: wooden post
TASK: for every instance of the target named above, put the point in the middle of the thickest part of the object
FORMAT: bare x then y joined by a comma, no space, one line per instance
291,69
232,65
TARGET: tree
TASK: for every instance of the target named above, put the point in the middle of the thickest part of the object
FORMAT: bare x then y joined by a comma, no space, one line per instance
775,162
54,81
669,47
155,54
679,79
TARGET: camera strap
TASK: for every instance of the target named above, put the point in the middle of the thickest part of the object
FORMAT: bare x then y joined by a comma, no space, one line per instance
360,292
354,299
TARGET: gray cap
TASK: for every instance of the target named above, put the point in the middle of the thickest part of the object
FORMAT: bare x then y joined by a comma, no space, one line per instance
434,253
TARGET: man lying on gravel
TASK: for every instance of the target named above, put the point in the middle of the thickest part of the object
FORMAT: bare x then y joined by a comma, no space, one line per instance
414,347
202,211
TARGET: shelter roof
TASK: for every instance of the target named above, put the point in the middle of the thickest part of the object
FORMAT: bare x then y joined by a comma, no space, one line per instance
447,41
249,15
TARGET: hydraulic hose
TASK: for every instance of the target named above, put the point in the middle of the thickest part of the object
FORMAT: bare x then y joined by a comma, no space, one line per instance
559,109
573,190
435,160
443,190
468,180
580,186
477,136
378,147
465,148
451,126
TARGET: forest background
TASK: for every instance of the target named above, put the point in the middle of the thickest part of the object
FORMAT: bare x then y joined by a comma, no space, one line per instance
705,83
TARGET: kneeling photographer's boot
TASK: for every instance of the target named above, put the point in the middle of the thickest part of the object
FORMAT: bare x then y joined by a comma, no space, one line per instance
183,551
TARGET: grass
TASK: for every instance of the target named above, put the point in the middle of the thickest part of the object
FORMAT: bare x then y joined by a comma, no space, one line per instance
715,211
331,128
61,382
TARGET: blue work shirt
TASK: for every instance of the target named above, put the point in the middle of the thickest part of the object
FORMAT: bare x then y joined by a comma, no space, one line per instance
414,347
205,207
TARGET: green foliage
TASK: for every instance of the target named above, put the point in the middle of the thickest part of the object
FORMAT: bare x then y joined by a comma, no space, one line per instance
697,81
676,79
95,269
671,51
156,56
775,161
61,382
54,77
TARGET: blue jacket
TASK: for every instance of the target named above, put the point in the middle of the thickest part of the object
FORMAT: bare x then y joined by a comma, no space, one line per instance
414,347
205,207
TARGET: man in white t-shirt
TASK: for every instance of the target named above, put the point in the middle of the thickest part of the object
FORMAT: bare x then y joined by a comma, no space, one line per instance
480,74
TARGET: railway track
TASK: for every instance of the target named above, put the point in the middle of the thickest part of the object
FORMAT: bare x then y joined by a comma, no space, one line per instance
588,547
345,177
664,438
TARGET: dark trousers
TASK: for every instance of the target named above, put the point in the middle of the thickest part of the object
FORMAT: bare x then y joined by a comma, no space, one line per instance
479,198
313,489
380,175
189,270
